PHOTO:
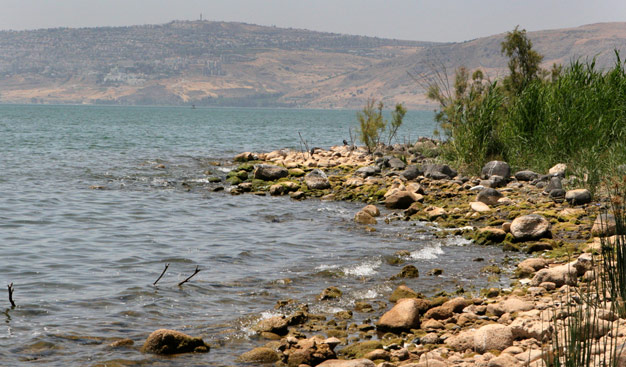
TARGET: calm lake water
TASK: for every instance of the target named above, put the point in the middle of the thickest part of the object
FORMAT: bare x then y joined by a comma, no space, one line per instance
83,261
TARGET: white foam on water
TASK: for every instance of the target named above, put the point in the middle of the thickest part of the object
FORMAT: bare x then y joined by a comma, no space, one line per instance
457,241
427,253
326,267
367,294
363,269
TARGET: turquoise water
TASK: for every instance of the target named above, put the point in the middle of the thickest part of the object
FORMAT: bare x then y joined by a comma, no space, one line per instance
83,261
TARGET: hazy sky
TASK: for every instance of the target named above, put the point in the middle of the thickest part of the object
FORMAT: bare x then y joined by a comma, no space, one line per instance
436,20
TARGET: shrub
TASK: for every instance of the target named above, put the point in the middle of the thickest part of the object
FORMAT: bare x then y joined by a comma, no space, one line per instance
372,125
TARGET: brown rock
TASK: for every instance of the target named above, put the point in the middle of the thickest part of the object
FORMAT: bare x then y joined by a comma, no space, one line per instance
378,354
364,217
493,337
330,293
408,271
347,363
457,304
275,324
604,226
260,355
402,292
461,342
405,315
438,313
400,200
371,210
164,341
480,207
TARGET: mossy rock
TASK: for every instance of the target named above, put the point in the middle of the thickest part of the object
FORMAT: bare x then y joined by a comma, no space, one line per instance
214,179
234,180
296,172
438,301
402,292
330,293
491,269
248,167
260,355
360,349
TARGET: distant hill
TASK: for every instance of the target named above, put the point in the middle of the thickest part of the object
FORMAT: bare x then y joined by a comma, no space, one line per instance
238,64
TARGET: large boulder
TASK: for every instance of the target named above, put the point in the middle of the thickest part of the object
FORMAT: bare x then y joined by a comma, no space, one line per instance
270,172
461,342
493,337
400,200
559,275
496,168
164,341
317,180
578,197
530,227
404,316
363,217
439,171
489,196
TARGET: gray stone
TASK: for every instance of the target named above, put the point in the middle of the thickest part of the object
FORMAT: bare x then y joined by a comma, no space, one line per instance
496,168
411,172
396,163
557,195
553,184
439,171
604,225
578,197
269,172
317,180
526,175
367,171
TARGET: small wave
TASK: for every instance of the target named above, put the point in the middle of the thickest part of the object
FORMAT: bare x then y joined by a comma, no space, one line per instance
366,294
427,253
364,269
457,241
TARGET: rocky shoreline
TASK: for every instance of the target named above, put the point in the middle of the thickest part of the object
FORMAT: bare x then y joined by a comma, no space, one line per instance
522,212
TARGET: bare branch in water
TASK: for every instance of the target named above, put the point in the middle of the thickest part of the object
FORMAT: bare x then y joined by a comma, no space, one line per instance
11,289
163,273
191,276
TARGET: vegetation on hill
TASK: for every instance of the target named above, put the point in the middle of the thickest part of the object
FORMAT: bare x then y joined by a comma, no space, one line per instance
535,118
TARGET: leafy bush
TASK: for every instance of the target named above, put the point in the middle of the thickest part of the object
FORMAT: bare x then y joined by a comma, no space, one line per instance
372,125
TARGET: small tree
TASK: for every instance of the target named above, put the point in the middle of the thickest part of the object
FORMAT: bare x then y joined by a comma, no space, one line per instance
372,126
524,62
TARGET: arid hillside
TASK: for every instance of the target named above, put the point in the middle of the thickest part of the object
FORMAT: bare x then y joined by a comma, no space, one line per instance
236,64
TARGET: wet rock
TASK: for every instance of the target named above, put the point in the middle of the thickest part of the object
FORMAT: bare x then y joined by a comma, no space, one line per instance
493,337
411,172
400,200
260,355
496,168
122,343
439,171
362,306
402,292
347,363
311,352
330,293
434,212
604,225
578,197
275,324
404,316
317,180
297,195
456,305
526,175
368,171
268,172
409,271
164,341
489,196
530,227
371,210
360,349
364,217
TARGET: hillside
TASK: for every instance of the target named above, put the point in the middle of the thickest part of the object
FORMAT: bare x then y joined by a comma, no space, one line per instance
237,64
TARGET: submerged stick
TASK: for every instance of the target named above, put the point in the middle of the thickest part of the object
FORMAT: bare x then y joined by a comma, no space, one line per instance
163,273
306,145
11,289
191,276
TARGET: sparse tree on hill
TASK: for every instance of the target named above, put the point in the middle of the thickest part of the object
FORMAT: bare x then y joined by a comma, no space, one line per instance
524,62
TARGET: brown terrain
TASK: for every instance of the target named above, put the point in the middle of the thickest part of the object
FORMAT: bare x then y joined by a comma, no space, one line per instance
236,64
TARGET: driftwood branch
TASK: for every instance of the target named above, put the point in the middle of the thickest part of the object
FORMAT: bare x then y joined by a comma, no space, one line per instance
191,276
163,273
11,289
